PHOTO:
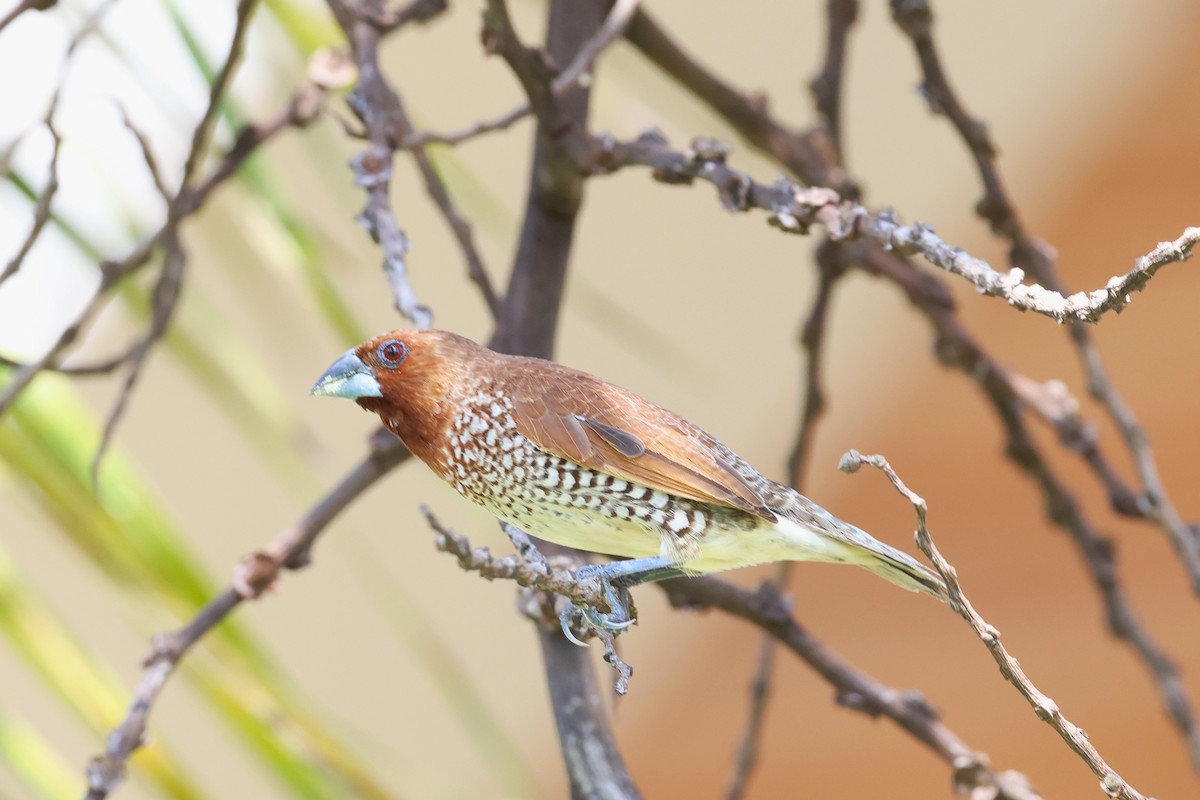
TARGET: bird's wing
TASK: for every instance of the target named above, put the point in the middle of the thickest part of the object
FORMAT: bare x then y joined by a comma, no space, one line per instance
610,429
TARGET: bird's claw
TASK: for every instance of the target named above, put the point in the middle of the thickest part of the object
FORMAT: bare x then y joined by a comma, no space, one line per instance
619,617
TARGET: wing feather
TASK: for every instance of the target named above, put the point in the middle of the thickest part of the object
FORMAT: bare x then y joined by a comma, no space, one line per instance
604,427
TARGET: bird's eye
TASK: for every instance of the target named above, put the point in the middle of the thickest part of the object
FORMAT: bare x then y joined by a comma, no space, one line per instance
392,352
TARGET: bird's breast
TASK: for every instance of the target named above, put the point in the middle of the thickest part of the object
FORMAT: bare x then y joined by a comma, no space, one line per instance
487,460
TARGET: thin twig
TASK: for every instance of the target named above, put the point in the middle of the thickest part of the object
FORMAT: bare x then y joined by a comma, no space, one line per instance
531,574
112,272
1052,401
301,109
612,29
1035,257
1029,254
528,323
830,269
373,101
811,155
41,210
436,188
164,300
160,182
812,340
827,86
298,112
170,280
24,374
795,209
956,348
804,156
1077,307
388,17
767,609
23,6
257,572
791,209
473,131
1045,708
378,105
760,692
535,574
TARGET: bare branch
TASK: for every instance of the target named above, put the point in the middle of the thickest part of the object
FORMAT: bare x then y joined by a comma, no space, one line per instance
1078,307
527,325
113,272
804,156
956,348
435,187
148,156
810,155
614,25
760,692
163,303
107,771
299,111
290,550
304,106
41,211
25,373
526,318
374,102
388,17
766,608
170,280
475,130
539,575
23,6
812,339
1033,256
831,269
795,209
770,610
827,86
1052,401
579,68
203,130
1046,709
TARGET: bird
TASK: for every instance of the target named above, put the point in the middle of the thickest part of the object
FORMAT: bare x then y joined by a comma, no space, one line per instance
574,459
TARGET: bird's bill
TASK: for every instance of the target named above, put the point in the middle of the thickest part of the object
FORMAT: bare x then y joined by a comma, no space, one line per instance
349,377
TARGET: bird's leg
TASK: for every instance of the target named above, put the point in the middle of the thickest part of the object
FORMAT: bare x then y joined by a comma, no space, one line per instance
616,579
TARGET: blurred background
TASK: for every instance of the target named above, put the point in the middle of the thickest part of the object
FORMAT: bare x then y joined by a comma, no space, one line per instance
384,670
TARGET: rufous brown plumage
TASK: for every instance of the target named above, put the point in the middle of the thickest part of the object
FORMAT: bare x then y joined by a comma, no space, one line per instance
575,459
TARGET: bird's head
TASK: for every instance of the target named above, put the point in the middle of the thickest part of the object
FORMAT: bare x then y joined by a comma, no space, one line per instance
407,377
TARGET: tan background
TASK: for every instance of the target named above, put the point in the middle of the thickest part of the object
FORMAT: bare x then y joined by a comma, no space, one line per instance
1094,106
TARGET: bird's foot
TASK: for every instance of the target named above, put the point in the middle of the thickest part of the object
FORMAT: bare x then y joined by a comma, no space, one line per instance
620,614
616,579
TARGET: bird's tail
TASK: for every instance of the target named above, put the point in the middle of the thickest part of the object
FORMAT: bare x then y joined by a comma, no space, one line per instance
904,571
824,537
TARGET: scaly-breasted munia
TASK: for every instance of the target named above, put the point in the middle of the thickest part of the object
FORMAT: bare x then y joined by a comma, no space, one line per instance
576,460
